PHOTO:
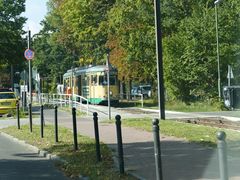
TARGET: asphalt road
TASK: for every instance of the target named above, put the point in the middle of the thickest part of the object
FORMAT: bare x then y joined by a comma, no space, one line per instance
20,162
181,160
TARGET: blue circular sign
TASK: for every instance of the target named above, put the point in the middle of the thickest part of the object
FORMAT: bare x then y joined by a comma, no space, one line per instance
29,54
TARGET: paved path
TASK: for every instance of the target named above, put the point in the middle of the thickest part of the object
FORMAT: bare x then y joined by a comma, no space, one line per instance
18,162
181,160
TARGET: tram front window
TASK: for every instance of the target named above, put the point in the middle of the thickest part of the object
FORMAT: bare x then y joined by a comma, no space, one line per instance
103,80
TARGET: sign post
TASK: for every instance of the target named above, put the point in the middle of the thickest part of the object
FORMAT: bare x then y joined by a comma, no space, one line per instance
29,54
230,75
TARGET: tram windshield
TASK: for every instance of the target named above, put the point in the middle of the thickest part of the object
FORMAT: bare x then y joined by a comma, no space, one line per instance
103,80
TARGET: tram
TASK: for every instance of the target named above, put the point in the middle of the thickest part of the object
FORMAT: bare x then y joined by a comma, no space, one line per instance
91,83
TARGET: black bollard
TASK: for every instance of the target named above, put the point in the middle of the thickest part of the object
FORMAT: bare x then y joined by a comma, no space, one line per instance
30,116
74,128
56,124
41,121
222,155
120,145
18,116
95,119
157,149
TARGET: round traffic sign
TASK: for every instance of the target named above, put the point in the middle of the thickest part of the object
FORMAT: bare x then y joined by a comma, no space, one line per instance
29,54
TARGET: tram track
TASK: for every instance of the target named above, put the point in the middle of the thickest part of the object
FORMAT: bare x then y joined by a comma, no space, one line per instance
219,122
213,122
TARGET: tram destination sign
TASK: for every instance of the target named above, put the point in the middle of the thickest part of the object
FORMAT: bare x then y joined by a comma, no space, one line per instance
29,54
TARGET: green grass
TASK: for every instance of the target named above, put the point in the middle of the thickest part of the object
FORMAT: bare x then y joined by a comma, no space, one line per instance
69,109
198,106
205,135
82,161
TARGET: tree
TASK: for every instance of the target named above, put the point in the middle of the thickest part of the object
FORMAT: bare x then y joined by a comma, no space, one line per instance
83,27
190,58
131,30
11,42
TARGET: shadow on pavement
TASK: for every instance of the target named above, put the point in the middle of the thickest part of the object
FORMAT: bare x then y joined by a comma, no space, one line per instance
27,169
180,161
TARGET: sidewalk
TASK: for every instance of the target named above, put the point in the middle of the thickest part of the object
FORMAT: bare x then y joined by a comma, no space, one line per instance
19,162
180,160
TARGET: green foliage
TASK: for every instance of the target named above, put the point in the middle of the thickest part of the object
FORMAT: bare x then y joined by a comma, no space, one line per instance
132,25
190,52
77,30
199,106
11,41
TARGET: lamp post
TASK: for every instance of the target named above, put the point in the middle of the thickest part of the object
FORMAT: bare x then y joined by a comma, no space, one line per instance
159,57
218,59
108,82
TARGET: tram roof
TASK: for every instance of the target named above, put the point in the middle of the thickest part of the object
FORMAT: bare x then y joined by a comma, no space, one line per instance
89,69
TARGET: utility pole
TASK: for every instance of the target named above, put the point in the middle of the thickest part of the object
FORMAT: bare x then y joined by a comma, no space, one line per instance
218,58
161,98
108,82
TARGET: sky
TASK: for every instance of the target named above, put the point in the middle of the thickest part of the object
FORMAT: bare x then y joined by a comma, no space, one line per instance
35,12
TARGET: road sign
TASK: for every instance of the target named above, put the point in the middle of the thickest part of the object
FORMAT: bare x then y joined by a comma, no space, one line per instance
230,72
29,54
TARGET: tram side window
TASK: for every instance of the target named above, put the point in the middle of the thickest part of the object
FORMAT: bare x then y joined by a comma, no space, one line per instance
103,80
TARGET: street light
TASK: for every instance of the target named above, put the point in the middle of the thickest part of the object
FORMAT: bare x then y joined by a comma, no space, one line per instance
159,57
108,82
218,60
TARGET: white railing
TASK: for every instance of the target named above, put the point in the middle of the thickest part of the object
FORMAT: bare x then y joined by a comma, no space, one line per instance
65,100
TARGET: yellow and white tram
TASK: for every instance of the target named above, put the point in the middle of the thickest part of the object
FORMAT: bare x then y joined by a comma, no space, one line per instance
91,83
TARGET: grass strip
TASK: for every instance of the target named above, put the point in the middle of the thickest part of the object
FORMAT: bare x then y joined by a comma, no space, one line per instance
81,162
205,135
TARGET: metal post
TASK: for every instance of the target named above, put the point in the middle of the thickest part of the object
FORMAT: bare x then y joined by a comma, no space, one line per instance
157,149
229,75
222,155
30,116
218,59
161,98
108,82
120,145
18,116
74,128
72,87
30,80
41,121
12,79
56,124
95,119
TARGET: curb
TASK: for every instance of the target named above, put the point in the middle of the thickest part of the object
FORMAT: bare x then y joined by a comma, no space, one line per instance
41,153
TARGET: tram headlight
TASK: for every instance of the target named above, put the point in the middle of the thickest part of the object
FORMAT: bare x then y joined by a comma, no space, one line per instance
110,92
